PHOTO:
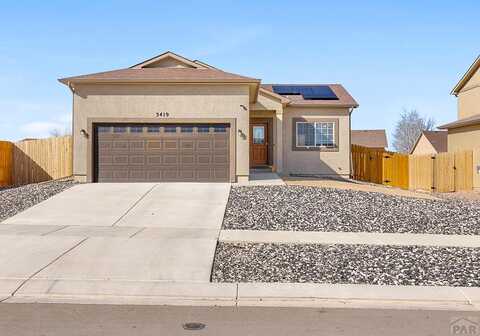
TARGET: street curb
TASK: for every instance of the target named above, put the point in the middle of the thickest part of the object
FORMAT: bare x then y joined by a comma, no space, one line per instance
358,296
247,295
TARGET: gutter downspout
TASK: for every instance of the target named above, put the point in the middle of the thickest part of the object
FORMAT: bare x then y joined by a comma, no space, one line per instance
350,141
70,86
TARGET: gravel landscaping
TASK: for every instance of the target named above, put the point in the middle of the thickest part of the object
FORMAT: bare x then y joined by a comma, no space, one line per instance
347,264
15,200
302,208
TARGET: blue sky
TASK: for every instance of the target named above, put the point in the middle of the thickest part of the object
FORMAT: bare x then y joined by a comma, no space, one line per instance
390,55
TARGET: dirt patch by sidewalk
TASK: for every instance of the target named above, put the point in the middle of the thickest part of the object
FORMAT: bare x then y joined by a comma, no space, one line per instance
357,186
462,195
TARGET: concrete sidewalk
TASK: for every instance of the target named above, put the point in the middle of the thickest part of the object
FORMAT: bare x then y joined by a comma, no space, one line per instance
367,238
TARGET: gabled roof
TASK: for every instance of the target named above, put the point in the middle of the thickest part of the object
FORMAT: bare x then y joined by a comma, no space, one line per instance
472,120
147,72
344,98
466,77
438,140
168,55
370,138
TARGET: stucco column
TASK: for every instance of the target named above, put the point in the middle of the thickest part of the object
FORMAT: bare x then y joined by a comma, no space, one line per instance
279,141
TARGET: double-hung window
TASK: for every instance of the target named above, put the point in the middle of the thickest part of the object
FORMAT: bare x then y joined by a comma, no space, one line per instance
315,134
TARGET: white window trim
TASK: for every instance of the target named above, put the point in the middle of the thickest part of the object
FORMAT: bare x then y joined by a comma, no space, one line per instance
315,134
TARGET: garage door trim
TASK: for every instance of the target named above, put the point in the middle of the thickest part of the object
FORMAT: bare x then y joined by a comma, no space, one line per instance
91,138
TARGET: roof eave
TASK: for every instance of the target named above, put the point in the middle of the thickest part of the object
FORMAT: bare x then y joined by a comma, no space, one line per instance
459,124
271,94
339,105
466,77
68,81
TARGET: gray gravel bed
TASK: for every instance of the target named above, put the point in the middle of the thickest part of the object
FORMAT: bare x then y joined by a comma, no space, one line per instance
302,208
15,200
347,264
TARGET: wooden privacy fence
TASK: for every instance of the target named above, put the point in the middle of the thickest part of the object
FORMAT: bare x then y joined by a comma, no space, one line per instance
34,161
6,163
379,166
444,172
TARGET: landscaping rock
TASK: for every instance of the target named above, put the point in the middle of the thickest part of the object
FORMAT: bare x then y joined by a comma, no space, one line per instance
347,264
303,208
17,199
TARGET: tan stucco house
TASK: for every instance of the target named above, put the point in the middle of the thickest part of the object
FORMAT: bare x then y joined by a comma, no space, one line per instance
173,119
373,138
430,142
464,133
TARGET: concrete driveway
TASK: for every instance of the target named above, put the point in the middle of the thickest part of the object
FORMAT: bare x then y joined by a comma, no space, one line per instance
107,233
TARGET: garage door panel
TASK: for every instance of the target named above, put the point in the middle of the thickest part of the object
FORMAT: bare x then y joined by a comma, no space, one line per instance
187,159
154,175
220,144
220,159
187,145
170,145
204,159
220,173
120,160
204,145
137,160
187,174
120,145
154,160
105,160
154,145
105,145
204,174
170,159
137,175
137,145
156,153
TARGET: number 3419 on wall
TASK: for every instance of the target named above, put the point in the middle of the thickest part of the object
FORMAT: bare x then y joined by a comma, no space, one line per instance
162,114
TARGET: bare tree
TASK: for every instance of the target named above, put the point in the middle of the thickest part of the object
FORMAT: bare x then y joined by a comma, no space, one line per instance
409,128
58,132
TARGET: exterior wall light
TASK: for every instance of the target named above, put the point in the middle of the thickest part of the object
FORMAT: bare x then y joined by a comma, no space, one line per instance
84,133
242,135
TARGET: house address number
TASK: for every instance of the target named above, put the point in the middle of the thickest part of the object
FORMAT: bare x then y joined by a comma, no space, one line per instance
162,114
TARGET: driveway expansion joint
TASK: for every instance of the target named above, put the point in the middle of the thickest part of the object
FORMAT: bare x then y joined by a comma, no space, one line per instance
54,230
48,264
135,204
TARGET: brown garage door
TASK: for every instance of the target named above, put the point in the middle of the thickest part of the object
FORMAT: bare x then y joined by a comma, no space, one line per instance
162,152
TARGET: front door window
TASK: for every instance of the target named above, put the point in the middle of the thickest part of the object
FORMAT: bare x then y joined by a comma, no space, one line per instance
259,135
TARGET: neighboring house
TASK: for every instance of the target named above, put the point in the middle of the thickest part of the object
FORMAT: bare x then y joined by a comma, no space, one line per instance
464,133
173,119
430,142
376,139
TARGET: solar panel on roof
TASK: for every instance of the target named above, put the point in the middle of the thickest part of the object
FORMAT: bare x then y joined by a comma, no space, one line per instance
309,92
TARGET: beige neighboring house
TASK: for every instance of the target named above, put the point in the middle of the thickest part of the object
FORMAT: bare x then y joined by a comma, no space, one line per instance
464,133
170,118
376,139
430,142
